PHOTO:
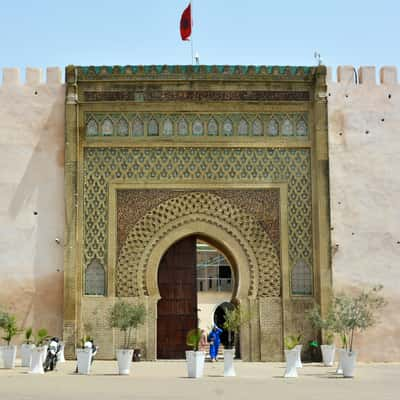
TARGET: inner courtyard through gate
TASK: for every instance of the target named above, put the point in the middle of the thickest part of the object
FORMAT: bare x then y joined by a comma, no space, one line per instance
162,161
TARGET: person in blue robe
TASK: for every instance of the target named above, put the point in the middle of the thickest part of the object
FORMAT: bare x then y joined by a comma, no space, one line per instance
214,339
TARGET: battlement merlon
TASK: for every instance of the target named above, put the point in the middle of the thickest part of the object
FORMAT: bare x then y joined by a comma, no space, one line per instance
33,77
365,75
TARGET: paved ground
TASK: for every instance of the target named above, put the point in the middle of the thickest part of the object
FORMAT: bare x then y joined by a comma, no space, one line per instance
167,380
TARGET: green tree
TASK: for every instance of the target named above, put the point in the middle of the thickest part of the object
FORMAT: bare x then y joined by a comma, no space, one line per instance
356,313
127,317
234,320
9,324
193,338
328,324
41,336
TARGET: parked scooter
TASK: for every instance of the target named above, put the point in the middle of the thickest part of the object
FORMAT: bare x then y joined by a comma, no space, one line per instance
52,354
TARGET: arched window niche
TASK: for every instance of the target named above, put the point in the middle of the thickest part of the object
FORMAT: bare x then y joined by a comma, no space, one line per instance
302,282
95,279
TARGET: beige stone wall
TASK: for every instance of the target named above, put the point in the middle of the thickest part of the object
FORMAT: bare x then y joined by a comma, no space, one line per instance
364,149
32,197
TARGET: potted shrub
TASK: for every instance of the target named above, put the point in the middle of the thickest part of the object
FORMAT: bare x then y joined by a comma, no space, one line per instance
291,356
296,340
9,352
39,352
328,350
83,356
328,325
234,320
194,358
26,349
354,314
126,317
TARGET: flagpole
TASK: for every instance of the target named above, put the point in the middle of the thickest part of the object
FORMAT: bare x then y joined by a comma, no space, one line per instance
191,27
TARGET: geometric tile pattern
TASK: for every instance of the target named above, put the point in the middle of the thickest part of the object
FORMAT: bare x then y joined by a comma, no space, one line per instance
213,165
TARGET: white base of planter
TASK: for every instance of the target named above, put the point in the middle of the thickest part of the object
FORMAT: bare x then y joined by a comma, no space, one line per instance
38,355
195,363
349,363
26,355
298,362
124,358
229,369
291,362
8,355
339,369
328,354
84,358
60,355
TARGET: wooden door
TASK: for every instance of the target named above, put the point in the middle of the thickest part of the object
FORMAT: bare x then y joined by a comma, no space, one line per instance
177,308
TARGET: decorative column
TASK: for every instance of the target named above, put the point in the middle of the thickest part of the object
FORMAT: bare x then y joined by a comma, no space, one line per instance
321,193
70,177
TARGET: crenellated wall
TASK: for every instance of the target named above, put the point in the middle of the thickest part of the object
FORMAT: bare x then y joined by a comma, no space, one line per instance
32,196
364,148
364,151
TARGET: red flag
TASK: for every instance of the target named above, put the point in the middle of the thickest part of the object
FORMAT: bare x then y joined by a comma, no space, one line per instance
186,23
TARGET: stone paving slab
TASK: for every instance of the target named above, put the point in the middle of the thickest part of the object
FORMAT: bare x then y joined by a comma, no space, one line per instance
168,380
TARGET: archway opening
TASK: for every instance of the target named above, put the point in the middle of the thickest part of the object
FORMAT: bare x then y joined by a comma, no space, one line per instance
219,320
194,279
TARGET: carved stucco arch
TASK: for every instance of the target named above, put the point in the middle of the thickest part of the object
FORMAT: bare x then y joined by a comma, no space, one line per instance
228,240
198,213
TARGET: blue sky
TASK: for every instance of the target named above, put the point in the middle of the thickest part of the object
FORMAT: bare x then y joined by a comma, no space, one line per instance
42,33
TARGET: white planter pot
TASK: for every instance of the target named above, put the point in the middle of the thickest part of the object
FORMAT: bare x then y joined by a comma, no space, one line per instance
328,354
298,362
38,356
8,355
195,363
291,362
229,355
124,358
349,363
339,369
44,354
26,355
84,357
189,362
60,355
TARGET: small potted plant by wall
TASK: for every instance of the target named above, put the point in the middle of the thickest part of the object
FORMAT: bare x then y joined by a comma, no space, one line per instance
328,325
126,317
234,320
84,355
355,314
9,352
26,348
328,350
291,356
194,358
298,348
39,352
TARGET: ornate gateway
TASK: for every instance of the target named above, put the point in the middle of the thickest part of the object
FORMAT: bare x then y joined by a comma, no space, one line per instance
234,155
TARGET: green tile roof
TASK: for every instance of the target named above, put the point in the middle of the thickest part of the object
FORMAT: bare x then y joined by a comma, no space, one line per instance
173,69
